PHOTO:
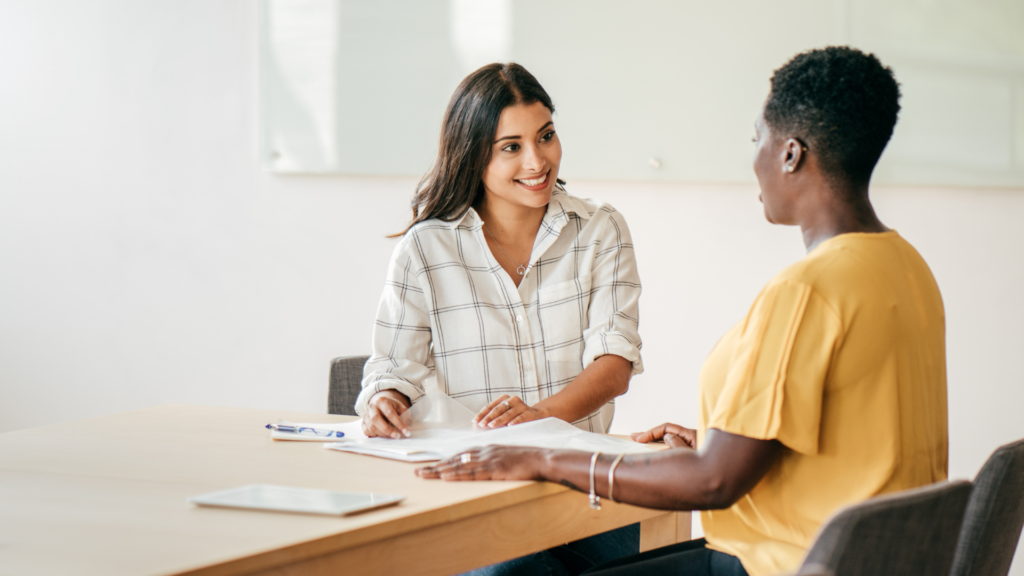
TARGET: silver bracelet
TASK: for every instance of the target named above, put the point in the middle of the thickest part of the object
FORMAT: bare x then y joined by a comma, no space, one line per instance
611,475
595,500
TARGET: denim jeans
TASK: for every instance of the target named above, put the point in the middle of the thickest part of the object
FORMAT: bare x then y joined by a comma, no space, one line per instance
690,558
572,558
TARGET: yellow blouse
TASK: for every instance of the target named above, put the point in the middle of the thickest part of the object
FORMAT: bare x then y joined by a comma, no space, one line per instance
842,359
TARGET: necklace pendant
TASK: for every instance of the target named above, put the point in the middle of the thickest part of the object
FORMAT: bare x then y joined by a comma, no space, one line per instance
521,270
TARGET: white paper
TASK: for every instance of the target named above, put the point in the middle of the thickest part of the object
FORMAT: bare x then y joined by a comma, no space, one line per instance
434,411
441,427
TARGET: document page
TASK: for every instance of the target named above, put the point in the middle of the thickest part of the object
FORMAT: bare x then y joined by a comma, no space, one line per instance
441,427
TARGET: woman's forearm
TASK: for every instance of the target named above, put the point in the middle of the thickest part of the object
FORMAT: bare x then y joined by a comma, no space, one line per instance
606,377
650,480
726,468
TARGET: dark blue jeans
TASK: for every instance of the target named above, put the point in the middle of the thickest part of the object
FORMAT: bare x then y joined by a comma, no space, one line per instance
684,559
572,558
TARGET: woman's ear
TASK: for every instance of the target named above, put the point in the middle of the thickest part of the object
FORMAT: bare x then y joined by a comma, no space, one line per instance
793,151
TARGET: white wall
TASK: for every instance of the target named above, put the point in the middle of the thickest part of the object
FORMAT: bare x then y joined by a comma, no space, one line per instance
145,259
700,68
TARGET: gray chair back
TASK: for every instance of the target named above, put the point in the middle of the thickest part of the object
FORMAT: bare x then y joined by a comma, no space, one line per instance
995,514
346,383
908,533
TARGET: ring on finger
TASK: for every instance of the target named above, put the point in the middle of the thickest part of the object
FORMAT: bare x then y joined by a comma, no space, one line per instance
466,458
507,405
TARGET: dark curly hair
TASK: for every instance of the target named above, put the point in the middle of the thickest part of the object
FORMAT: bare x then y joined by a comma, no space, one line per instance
840,102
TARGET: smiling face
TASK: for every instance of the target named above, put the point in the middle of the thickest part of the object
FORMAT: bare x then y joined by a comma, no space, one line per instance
774,165
525,157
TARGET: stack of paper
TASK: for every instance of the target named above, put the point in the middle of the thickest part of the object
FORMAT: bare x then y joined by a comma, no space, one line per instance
441,427
439,443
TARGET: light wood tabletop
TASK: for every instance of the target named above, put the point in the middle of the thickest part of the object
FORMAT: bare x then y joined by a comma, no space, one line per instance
108,496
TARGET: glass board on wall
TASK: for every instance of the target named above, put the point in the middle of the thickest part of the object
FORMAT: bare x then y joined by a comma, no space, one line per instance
644,90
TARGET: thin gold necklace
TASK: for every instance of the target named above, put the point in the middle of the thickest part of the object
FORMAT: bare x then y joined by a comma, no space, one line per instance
522,267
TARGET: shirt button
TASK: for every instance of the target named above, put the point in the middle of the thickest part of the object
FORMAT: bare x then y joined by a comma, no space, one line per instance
519,318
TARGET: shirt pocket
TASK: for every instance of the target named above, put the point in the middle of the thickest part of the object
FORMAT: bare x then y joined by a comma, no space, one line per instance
563,317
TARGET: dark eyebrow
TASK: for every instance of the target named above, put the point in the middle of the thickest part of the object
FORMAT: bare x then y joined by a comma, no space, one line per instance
541,129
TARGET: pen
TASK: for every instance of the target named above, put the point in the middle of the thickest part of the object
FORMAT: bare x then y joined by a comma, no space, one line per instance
306,430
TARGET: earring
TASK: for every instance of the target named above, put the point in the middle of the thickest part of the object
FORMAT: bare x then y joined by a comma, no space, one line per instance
789,169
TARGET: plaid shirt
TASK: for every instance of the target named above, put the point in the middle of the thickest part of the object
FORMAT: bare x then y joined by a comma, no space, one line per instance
449,309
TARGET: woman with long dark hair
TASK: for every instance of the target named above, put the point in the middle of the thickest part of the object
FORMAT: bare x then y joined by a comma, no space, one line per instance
519,298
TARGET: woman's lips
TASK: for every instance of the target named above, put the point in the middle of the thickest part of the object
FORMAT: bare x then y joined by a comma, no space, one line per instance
535,184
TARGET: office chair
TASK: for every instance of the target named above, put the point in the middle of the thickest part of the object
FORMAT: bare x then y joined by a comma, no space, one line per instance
346,383
910,533
994,516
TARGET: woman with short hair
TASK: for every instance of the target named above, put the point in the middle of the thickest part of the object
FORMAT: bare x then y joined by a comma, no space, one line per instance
831,391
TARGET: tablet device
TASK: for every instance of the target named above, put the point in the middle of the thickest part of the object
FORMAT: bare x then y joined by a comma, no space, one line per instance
301,500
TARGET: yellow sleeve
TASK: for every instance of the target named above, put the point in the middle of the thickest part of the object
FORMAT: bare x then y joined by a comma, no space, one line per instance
776,377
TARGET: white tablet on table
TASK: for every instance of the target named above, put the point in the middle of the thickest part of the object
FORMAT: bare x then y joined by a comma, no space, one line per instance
301,500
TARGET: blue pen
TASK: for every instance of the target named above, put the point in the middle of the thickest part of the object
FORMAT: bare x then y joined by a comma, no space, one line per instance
306,430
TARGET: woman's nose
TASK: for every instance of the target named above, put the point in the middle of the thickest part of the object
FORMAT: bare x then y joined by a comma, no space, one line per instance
532,158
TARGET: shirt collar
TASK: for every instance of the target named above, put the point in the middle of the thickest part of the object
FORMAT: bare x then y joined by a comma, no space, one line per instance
559,208
561,205
470,215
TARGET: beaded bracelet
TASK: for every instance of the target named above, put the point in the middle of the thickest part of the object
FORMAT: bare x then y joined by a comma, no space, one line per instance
595,500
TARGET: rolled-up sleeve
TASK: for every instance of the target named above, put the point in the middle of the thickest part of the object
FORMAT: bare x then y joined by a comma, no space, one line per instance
401,358
614,313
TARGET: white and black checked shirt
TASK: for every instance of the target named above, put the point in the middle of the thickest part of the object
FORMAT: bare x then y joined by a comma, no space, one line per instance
449,305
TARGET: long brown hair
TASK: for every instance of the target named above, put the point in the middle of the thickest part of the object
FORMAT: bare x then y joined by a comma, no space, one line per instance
455,182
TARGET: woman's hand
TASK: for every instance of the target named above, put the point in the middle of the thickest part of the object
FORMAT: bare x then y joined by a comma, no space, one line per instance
674,435
490,463
505,411
383,415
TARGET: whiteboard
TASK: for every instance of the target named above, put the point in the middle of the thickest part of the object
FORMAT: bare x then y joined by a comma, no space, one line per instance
643,90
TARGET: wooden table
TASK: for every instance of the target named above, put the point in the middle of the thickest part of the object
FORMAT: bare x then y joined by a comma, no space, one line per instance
108,496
